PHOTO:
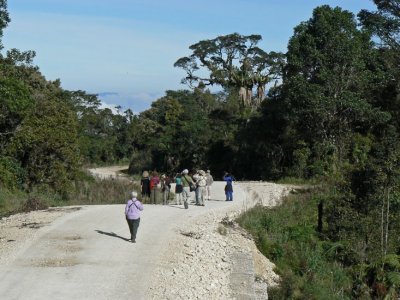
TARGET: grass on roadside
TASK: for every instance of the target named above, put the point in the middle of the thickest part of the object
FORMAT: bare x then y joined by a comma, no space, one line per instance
85,191
287,235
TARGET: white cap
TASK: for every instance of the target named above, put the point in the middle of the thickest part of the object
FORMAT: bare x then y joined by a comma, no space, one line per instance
186,171
134,194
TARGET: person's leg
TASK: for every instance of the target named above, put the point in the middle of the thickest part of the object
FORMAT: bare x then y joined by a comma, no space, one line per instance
186,195
152,197
130,225
208,197
180,198
196,194
135,226
198,191
230,196
167,196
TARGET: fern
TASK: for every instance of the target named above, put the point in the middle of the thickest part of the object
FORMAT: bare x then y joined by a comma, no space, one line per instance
393,279
392,261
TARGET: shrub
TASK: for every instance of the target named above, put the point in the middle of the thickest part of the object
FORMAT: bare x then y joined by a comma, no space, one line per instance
11,173
33,203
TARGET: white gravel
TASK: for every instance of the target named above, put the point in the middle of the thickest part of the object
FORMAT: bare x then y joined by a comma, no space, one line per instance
199,262
16,231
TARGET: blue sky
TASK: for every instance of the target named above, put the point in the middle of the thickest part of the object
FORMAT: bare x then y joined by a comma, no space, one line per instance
124,50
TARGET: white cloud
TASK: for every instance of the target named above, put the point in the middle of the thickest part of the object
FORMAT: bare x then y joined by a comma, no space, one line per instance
137,102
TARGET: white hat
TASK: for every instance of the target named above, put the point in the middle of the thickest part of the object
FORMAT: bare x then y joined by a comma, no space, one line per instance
134,194
186,171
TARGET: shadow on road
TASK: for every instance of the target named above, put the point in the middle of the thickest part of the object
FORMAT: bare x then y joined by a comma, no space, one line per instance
112,234
175,206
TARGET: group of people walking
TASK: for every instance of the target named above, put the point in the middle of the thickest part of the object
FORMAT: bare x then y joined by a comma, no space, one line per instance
157,189
154,187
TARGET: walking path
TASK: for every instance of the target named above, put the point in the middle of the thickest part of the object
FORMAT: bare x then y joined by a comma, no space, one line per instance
179,254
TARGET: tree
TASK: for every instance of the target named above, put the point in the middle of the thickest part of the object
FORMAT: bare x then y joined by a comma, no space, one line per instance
46,145
232,61
175,133
4,19
15,103
325,83
384,24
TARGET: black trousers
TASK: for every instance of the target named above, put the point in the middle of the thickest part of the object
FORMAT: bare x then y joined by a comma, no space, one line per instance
133,227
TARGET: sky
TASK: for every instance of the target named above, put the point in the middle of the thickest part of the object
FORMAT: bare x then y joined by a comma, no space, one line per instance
124,50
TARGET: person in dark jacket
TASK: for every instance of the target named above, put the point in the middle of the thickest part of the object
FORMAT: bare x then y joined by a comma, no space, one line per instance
145,184
132,214
165,188
228,178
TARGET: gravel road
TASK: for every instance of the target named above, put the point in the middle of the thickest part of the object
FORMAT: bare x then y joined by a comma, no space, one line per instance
179,254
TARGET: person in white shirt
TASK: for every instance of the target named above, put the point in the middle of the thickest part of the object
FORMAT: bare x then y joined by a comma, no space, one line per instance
209,182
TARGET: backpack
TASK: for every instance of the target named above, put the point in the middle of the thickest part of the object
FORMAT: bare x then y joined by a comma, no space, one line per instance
153,183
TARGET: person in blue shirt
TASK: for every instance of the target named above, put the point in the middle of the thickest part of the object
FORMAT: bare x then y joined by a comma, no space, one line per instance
228,178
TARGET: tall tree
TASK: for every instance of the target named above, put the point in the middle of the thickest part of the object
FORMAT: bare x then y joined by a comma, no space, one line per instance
232,61
325,81
15,102
4,19
384,24
46,145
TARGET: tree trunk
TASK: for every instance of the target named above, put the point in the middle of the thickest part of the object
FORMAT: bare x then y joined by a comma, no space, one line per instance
249,95
382,226
260,93
243,95
387,221
320,216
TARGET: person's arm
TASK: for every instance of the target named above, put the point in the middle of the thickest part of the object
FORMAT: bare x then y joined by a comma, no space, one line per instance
139,205
126,208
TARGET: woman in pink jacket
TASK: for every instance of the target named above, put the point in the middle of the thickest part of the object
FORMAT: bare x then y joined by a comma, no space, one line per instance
132,213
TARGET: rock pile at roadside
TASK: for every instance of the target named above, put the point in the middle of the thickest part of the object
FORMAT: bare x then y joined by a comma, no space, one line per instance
200,260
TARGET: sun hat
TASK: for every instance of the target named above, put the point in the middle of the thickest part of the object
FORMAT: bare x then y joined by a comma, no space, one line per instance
134,194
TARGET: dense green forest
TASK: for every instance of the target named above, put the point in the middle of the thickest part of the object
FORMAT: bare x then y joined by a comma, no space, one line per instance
327,110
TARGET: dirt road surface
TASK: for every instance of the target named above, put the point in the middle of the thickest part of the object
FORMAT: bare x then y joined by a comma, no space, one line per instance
85,254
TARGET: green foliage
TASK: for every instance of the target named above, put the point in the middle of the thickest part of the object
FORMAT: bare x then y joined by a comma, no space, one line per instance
4,19
302,259
15,103
46,145
176,132
12,175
